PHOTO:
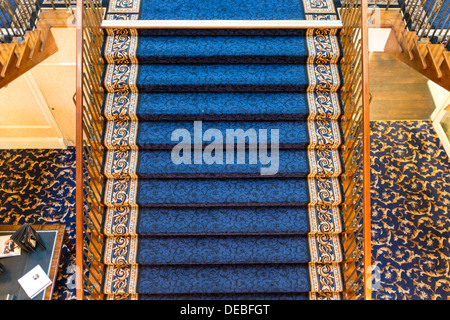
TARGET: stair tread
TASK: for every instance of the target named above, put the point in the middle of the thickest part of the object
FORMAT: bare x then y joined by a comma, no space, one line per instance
223,10
167,134
224,106
275,278
226,221
220,249
213,49
224,296
159,164
220,77
226,192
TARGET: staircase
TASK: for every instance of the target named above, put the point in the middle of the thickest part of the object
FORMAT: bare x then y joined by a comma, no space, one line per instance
223,161
23,53
422,52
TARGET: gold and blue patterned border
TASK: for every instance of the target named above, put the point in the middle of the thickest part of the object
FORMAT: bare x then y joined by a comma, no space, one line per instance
325,247
121,250
324,219
121,134
323,78
324,163
122,105
121,164
320,10
121,78
324,296
323,46
125,296
121,220
121,280
324,191
124,6
323,106
324,134
325,277
120,192
120,46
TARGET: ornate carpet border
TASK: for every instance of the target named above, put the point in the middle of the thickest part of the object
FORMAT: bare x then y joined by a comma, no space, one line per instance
121,280
325,277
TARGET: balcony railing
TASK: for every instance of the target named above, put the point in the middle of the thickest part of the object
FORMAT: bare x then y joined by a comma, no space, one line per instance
356,150
89,151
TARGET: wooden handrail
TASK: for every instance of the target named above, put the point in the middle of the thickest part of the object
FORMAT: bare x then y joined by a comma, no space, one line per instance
366,152
89,152
79,147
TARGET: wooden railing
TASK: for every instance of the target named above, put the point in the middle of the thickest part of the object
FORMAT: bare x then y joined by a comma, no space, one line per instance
356,150
89,152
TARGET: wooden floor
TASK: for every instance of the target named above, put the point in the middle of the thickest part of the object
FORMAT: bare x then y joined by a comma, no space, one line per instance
398,91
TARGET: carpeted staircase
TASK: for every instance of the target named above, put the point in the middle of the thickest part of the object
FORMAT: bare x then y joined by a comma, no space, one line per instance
190,213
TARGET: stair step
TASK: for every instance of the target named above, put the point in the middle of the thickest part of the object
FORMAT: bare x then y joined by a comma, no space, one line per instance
222,192
245,296
223,106
217,49
158,134
224,296
234,296
230,249
221,77
160,164
223,10
276,278
222,221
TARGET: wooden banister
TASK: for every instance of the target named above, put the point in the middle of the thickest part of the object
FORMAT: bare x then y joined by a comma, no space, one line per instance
79,149
89,154
356,150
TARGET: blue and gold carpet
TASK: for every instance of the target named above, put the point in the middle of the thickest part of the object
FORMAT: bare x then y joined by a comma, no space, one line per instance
410,211
190,213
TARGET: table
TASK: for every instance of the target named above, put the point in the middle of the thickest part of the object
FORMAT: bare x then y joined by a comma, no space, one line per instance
54,236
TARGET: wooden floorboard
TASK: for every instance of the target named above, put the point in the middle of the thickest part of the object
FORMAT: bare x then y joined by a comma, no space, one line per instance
398,91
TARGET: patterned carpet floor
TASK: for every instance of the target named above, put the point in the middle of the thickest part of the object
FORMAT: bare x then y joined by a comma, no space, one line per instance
410,211
410,201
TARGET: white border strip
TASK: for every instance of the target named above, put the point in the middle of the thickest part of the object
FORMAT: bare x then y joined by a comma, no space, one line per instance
230,24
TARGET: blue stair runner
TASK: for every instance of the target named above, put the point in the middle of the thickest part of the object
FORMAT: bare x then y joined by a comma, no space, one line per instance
250,223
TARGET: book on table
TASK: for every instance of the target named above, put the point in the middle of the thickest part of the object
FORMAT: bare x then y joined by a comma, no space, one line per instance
34,281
